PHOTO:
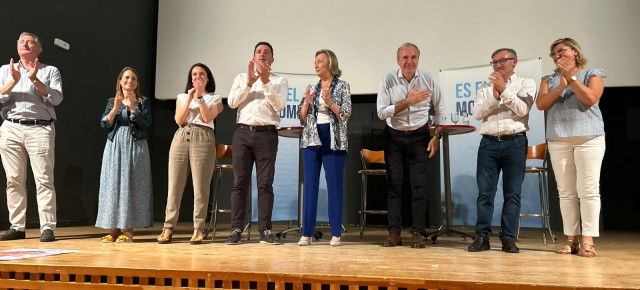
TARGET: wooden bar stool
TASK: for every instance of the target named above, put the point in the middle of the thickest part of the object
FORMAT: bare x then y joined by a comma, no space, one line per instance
369,158
222,151
539,152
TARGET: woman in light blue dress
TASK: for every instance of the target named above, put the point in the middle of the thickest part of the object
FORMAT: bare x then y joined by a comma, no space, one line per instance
125,197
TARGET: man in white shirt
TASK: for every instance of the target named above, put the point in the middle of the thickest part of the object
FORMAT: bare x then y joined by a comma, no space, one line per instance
404,99
503,105
29,91
259,96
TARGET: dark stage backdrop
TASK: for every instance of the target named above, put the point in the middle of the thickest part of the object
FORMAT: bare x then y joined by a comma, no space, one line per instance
105,36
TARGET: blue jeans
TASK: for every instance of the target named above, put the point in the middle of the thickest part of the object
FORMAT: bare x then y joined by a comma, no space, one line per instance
509,157
313,158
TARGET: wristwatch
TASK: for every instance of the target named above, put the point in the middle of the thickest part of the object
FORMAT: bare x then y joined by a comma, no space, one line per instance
573,79
439,136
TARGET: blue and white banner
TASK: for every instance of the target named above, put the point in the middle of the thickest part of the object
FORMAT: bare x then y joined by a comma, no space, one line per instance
285,184
459,87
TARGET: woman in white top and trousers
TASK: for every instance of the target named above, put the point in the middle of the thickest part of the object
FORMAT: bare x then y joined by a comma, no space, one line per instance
193,149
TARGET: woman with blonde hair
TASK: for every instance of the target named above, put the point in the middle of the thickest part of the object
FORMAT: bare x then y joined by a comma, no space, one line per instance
324,112
575,134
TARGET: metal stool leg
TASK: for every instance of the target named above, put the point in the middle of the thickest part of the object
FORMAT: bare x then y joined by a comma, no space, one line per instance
363,204
542,209
546,208
215,211
214,203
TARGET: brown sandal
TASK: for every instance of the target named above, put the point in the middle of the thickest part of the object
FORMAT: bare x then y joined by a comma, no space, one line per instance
163,238
198,236
588,253
570,247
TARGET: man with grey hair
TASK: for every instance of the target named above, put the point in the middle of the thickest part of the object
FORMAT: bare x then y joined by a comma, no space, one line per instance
503,105
29,90
404,99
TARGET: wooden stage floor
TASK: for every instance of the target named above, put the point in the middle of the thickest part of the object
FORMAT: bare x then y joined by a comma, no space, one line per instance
357,264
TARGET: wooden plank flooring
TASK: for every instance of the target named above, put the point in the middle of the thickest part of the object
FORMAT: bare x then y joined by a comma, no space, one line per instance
445,265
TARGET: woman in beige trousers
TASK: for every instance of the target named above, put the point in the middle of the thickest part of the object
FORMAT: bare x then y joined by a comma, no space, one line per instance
193,149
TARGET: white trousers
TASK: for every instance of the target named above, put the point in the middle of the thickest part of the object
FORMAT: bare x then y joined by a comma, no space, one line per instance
18,145
576,164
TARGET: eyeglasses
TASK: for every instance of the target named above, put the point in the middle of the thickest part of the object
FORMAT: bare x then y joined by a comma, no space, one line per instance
501,61
558,52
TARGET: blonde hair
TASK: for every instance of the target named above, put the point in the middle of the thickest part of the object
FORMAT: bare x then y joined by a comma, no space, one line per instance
581,60
333,62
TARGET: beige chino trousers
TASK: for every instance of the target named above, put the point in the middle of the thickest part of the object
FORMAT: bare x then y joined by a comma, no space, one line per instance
193,149
20,144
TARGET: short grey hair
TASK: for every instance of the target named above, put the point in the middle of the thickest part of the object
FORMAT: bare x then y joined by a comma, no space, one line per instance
333,62
36,38
512,52
406,44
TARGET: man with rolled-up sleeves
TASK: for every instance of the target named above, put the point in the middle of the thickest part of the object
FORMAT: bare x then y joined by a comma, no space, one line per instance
29,91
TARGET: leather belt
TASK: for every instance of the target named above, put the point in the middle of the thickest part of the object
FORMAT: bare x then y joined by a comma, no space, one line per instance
256,128
411,131
505,137
31,122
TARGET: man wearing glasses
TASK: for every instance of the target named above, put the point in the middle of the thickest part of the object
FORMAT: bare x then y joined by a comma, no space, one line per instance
503,105
29,90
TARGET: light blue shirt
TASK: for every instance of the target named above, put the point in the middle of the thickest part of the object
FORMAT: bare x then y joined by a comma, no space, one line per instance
568,116
25,101
394,88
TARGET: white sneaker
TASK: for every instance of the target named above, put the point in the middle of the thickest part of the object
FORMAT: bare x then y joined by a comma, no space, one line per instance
304,242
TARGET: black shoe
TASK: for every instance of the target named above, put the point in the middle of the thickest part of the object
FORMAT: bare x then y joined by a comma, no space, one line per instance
509,246
267,237
47,236
479,245
12,234
235,237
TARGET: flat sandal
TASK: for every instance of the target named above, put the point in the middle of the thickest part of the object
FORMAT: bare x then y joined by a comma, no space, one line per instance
108,239
591,252
573,249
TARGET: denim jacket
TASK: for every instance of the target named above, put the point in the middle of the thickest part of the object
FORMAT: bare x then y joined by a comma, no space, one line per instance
341,95
138,122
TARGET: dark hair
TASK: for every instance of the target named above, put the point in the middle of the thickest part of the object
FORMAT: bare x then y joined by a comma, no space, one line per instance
263,43
511,51
210,87
119,88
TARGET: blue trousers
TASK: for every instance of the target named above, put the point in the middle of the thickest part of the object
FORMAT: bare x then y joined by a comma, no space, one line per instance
314,157
509,157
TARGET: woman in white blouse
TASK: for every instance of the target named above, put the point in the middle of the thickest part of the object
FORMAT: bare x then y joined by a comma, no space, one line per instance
193,149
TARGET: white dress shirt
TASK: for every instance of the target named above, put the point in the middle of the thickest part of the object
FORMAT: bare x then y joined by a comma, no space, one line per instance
260,104
194,116
394,88
509,115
